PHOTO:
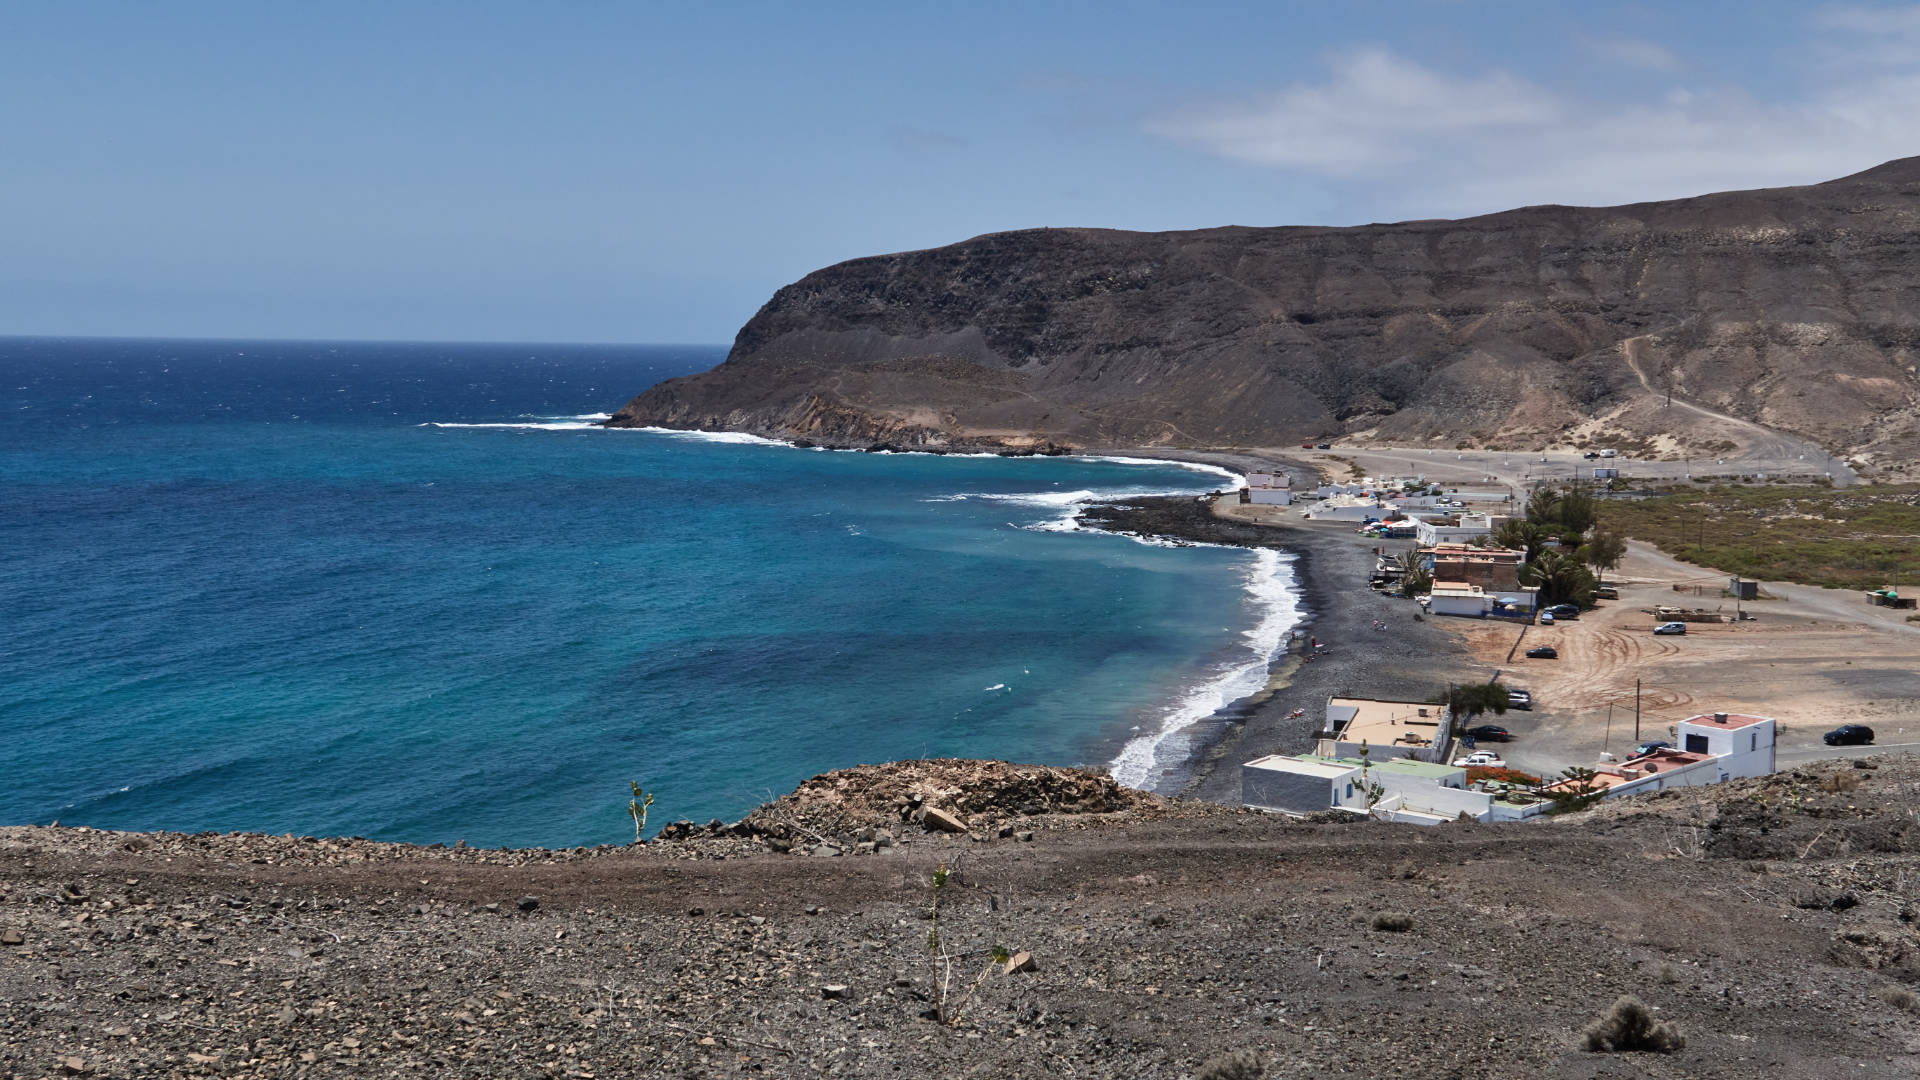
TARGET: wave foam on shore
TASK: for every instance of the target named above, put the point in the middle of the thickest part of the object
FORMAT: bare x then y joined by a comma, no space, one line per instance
1274,597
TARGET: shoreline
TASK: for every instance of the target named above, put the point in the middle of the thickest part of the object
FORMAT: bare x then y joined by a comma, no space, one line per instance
1409,659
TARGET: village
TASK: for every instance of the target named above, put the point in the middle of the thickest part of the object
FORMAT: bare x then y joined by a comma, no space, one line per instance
1516,570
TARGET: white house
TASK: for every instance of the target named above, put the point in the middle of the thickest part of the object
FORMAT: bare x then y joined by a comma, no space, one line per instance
1300,785
1714,749
1459,598
1409,792
1469,527
1742,744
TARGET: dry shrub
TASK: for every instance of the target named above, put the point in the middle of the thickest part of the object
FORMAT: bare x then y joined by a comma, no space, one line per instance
1899,997
1837,782
1392,923
1239,1065
1630,1025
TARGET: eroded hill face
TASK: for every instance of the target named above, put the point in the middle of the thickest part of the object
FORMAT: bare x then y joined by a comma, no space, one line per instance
1796,308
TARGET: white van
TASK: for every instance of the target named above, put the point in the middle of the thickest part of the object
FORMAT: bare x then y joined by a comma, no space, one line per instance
1609,453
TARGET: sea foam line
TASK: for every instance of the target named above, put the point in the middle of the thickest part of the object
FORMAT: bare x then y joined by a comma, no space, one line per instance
1273,594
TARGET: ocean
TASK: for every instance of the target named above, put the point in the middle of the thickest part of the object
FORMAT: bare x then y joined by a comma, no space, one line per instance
414,592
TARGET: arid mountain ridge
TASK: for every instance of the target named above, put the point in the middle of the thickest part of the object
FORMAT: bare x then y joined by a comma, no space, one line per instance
1794,308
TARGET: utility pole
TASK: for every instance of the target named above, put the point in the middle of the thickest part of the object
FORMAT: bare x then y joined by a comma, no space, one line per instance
1636,712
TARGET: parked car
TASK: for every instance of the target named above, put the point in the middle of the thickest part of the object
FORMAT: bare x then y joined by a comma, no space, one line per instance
1671,628
1489,733
1546,618
1649,747
1519,699
1606,592
1564,611
1478,759
1326,446
1591,454
1543,652
1849,735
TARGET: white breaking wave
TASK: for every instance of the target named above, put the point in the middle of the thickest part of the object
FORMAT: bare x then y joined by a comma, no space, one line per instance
1273,595
739,437
1214,470
543,425
1067,504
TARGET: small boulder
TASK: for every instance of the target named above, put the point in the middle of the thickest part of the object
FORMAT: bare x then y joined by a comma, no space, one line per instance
836,992
1021,961
527,903
938,820
825,851
12,937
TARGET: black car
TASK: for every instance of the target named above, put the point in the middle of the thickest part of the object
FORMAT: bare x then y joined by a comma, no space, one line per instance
1564,611
1591,454
1849,735
1519,699
1489,733
1543,652
1649,747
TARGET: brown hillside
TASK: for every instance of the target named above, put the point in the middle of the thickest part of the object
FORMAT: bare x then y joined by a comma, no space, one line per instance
1790,307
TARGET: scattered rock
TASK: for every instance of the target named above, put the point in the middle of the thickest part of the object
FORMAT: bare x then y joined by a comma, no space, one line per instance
836,992
527,903
825,851
75,1066
1021,961
12,937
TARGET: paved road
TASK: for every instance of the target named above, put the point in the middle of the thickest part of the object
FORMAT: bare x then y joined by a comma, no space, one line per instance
1787,757
1497,470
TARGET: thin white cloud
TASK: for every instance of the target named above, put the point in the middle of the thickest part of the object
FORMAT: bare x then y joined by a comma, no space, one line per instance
1426,142
1636,52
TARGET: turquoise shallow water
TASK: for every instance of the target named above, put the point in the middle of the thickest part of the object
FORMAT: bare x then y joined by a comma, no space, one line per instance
277,587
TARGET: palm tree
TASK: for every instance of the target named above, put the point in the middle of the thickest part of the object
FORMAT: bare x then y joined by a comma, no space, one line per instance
1560,578
1517,534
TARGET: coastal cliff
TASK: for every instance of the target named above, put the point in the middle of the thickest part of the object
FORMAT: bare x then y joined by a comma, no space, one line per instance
1791,308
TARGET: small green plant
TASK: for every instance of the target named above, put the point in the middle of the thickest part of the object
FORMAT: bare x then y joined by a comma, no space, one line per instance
637,810
1576,789
1371,790
945,1009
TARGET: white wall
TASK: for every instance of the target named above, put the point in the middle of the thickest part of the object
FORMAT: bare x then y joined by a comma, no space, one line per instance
1746,751
1443,604
1345,513
1431,534
1267,496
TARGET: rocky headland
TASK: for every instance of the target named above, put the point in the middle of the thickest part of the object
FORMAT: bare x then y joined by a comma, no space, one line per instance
1787,307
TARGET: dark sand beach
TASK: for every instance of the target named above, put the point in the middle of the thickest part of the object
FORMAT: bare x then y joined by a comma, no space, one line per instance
1409,659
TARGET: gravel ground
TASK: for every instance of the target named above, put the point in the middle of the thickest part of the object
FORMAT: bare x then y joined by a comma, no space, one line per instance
1763,919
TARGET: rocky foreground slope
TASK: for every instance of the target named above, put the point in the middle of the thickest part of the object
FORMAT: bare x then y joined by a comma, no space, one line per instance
1772,923
1791,307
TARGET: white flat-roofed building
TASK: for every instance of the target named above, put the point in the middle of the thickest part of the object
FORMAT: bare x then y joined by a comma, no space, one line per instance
1300,784
1743,744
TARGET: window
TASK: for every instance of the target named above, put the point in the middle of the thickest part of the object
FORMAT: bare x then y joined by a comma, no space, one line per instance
1697,744
1349,790
1753,741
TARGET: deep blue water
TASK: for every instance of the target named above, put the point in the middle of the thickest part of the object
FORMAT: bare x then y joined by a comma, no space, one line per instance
268,586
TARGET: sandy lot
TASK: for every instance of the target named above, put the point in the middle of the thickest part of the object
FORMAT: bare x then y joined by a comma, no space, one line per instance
1812,659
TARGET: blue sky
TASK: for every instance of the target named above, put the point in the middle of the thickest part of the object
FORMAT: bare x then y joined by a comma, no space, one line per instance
652,172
